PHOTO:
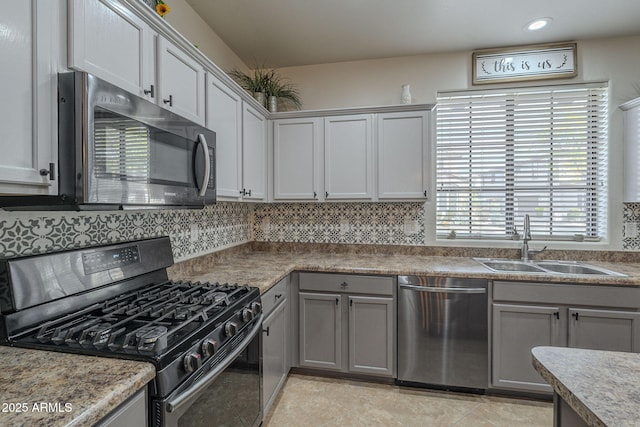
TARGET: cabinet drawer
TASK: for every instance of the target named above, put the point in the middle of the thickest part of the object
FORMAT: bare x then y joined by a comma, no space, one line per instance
275,296
568,294
353,284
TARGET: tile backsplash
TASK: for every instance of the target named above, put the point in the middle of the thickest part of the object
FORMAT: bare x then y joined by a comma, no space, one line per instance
355,223
631,213
192,232
226,224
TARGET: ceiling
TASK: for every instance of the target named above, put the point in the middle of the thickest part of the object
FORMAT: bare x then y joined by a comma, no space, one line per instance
280,33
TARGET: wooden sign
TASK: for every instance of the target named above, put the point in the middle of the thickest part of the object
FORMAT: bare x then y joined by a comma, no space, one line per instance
552,61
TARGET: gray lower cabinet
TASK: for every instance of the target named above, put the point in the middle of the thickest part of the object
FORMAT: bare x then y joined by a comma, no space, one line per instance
275,344
526,315
604,329
348,331
371,323
131,413
320,326
516,330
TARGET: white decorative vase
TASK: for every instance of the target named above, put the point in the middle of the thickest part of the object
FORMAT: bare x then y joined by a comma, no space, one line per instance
273,104
406,95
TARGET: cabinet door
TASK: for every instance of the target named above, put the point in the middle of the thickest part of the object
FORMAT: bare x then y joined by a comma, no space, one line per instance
296,152
180,82
516,330
224,117
371,331
29,42
254,153
274,355
107,40
403,155
348,157
604,330
320,331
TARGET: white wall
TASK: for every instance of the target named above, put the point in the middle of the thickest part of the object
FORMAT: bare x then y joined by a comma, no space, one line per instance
186,21
378,82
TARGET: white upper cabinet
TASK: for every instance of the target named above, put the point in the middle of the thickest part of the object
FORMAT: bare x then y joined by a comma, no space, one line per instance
30,42
403,155
296,153
224,117
254,154
631,150
107,40
348,157
180,82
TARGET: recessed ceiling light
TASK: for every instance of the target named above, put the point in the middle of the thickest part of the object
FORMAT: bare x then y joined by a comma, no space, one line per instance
538,24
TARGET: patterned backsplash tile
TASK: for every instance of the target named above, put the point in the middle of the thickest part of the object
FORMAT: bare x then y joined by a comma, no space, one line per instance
355,223
228,224
631,213
218,226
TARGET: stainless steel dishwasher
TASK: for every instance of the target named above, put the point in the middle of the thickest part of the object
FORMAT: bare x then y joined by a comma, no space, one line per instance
443,332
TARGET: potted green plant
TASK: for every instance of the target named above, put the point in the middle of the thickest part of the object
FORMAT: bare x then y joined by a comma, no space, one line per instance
279,90
255,82
263,83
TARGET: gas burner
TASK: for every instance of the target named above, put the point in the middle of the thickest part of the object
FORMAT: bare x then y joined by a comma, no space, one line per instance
96,335
147,339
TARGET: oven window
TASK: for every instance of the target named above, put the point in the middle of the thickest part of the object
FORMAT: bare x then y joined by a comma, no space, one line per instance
234,398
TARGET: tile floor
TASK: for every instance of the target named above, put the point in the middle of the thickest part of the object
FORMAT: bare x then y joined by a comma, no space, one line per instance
314,401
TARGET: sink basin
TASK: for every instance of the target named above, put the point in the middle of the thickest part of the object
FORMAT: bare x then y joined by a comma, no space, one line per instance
544,267
575,268
505,265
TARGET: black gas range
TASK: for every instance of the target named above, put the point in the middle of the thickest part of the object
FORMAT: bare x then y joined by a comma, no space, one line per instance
117,301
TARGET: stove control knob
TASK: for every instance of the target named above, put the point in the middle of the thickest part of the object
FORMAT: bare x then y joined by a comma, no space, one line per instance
209,347
192,361
230,329
256,307
247,314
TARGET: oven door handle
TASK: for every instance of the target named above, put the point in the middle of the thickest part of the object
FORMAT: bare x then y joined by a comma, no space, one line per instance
207,165
205,381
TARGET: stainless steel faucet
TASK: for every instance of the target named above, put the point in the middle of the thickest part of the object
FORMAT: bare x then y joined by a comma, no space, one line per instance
525,240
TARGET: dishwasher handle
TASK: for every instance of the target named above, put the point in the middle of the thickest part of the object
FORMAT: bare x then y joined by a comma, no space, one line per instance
434,289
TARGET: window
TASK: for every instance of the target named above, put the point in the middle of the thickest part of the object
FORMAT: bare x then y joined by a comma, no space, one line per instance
502,154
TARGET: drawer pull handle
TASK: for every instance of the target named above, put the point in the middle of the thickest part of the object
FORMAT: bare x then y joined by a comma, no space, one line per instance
344,284
266,330
557,315
278,296
575,315
337,301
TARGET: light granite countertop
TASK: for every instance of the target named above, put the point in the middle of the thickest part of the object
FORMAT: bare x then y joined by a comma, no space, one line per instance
602,387
265,268
43,388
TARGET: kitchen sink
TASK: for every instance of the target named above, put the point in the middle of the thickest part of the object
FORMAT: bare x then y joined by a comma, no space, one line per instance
507,265
575,268
544,267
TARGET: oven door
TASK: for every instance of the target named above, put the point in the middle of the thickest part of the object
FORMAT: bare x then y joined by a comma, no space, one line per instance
230,394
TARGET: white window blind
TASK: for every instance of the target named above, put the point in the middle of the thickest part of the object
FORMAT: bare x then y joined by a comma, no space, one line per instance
505,153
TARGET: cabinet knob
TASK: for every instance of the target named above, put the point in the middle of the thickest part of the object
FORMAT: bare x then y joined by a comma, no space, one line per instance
266,331
169,101
575,315
315,195
151,91
425,194
557,315
337,301
344,284
326,194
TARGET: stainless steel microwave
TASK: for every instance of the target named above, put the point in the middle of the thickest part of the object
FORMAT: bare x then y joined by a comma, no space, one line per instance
117,150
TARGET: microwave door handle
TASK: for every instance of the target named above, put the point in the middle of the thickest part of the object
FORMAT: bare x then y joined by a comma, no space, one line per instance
207,165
